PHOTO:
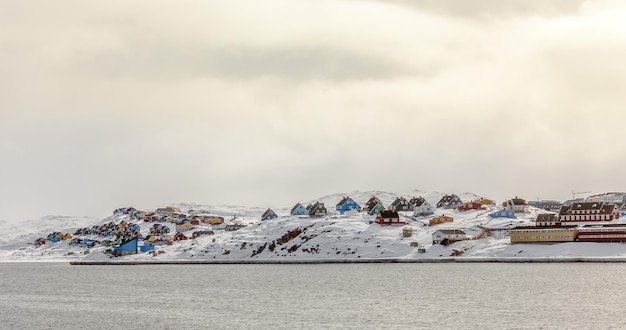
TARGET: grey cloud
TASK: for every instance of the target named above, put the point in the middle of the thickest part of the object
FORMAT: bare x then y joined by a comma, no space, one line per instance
494,8
165,60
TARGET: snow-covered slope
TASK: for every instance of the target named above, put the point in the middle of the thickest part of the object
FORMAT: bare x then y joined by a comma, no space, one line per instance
335,237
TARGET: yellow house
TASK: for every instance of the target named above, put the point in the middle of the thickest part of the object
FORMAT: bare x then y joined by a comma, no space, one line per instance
184,226
151,238
484,201
543,234
440,219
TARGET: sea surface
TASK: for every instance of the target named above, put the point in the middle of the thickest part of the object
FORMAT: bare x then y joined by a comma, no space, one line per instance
320,296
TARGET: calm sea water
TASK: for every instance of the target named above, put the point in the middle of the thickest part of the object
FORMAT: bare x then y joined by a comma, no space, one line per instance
339,296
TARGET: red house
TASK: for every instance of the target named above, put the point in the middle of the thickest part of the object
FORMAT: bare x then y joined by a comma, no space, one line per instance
588,212
605,233
195,222
470,206
180,237
388,217
202,233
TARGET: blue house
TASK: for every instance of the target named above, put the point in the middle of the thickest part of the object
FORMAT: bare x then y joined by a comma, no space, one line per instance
299,209
126,248
503,214
147,246
347,204
449,201
268,215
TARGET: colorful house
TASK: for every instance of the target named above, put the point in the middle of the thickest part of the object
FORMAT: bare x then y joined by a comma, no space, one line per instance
126,248
389,217
421,207
202,233
347,204
449,201
484,201
547,220
180,237
268,215
446,237
469,206
515,204
604,233
298,209
588,212
503,214
401,204
440,219
543,234
373,205
185,225
40,241
234,227
317,209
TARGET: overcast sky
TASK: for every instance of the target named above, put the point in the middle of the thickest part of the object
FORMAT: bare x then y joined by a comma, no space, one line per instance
267,103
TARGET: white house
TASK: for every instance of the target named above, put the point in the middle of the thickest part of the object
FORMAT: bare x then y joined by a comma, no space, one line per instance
517,205
450,235
421,206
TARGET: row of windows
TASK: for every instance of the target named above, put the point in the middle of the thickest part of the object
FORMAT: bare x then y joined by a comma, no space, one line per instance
605,236
542,230
540,237
585,212
585,217
597,230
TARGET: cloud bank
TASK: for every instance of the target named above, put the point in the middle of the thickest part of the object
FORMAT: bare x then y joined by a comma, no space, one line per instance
273,102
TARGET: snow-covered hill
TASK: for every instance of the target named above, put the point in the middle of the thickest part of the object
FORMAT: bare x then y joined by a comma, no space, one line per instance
335,237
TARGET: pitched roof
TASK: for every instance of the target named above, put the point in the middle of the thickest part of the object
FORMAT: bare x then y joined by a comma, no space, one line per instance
267,213
447,198
546,217
344,200
312,208
296,206
399,200
452,231
417,201
587,206
388,214
602,207
371,203
517,201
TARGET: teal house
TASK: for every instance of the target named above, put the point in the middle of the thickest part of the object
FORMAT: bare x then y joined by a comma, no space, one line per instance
299,209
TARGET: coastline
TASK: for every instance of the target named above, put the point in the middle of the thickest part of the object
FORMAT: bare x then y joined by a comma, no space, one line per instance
353,261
